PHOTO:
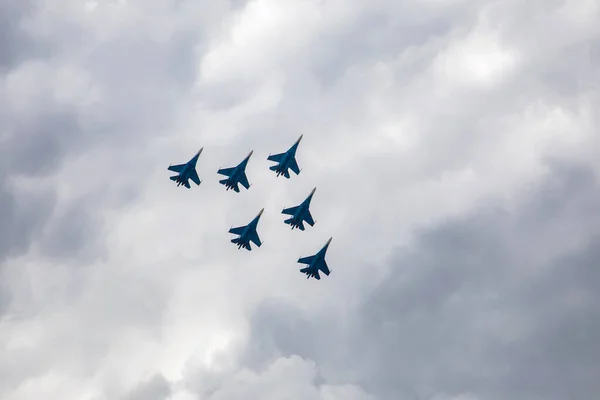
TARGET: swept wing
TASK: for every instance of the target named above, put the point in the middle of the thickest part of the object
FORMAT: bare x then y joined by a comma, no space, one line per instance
176,168
276,157
291,210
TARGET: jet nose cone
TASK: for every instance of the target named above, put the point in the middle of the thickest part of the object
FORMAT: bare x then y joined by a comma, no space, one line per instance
200,151
329,241
261,211
300,138
313,191
250,154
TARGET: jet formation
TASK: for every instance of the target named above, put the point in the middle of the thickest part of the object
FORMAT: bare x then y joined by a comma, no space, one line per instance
247,234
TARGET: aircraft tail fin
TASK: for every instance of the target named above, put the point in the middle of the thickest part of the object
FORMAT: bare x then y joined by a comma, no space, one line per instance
235,240
223,181
288,221
173,178
304,270
273,168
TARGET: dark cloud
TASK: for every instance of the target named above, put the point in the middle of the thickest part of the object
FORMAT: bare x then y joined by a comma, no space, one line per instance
23,214
33,149
37,144
559,358
500,304
73,233
30,147
155,388
15,44
284,329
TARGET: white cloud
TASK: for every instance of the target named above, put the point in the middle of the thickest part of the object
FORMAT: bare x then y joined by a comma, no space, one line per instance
479,60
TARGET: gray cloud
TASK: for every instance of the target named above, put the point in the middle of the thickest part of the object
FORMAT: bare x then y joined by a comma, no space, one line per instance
23,213
47,137
499,304
378,34
424,123
15,45
69,233
156,388
31,149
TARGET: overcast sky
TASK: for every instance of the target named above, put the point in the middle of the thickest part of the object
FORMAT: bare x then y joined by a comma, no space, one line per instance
454,146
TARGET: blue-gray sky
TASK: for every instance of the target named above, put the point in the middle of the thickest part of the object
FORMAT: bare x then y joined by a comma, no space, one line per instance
454,147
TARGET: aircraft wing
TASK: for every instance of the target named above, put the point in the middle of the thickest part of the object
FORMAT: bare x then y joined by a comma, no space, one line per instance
294,166
308,218
276,157
323,267
176,168
244,180
306,260
226,171
290,211
253,237
238,230
194,177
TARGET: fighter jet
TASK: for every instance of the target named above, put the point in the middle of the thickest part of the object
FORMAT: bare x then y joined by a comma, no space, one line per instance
286,161
236,175
300,213
316,263
186,171
247,234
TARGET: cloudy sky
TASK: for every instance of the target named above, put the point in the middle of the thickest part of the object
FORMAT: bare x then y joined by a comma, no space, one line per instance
454,146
